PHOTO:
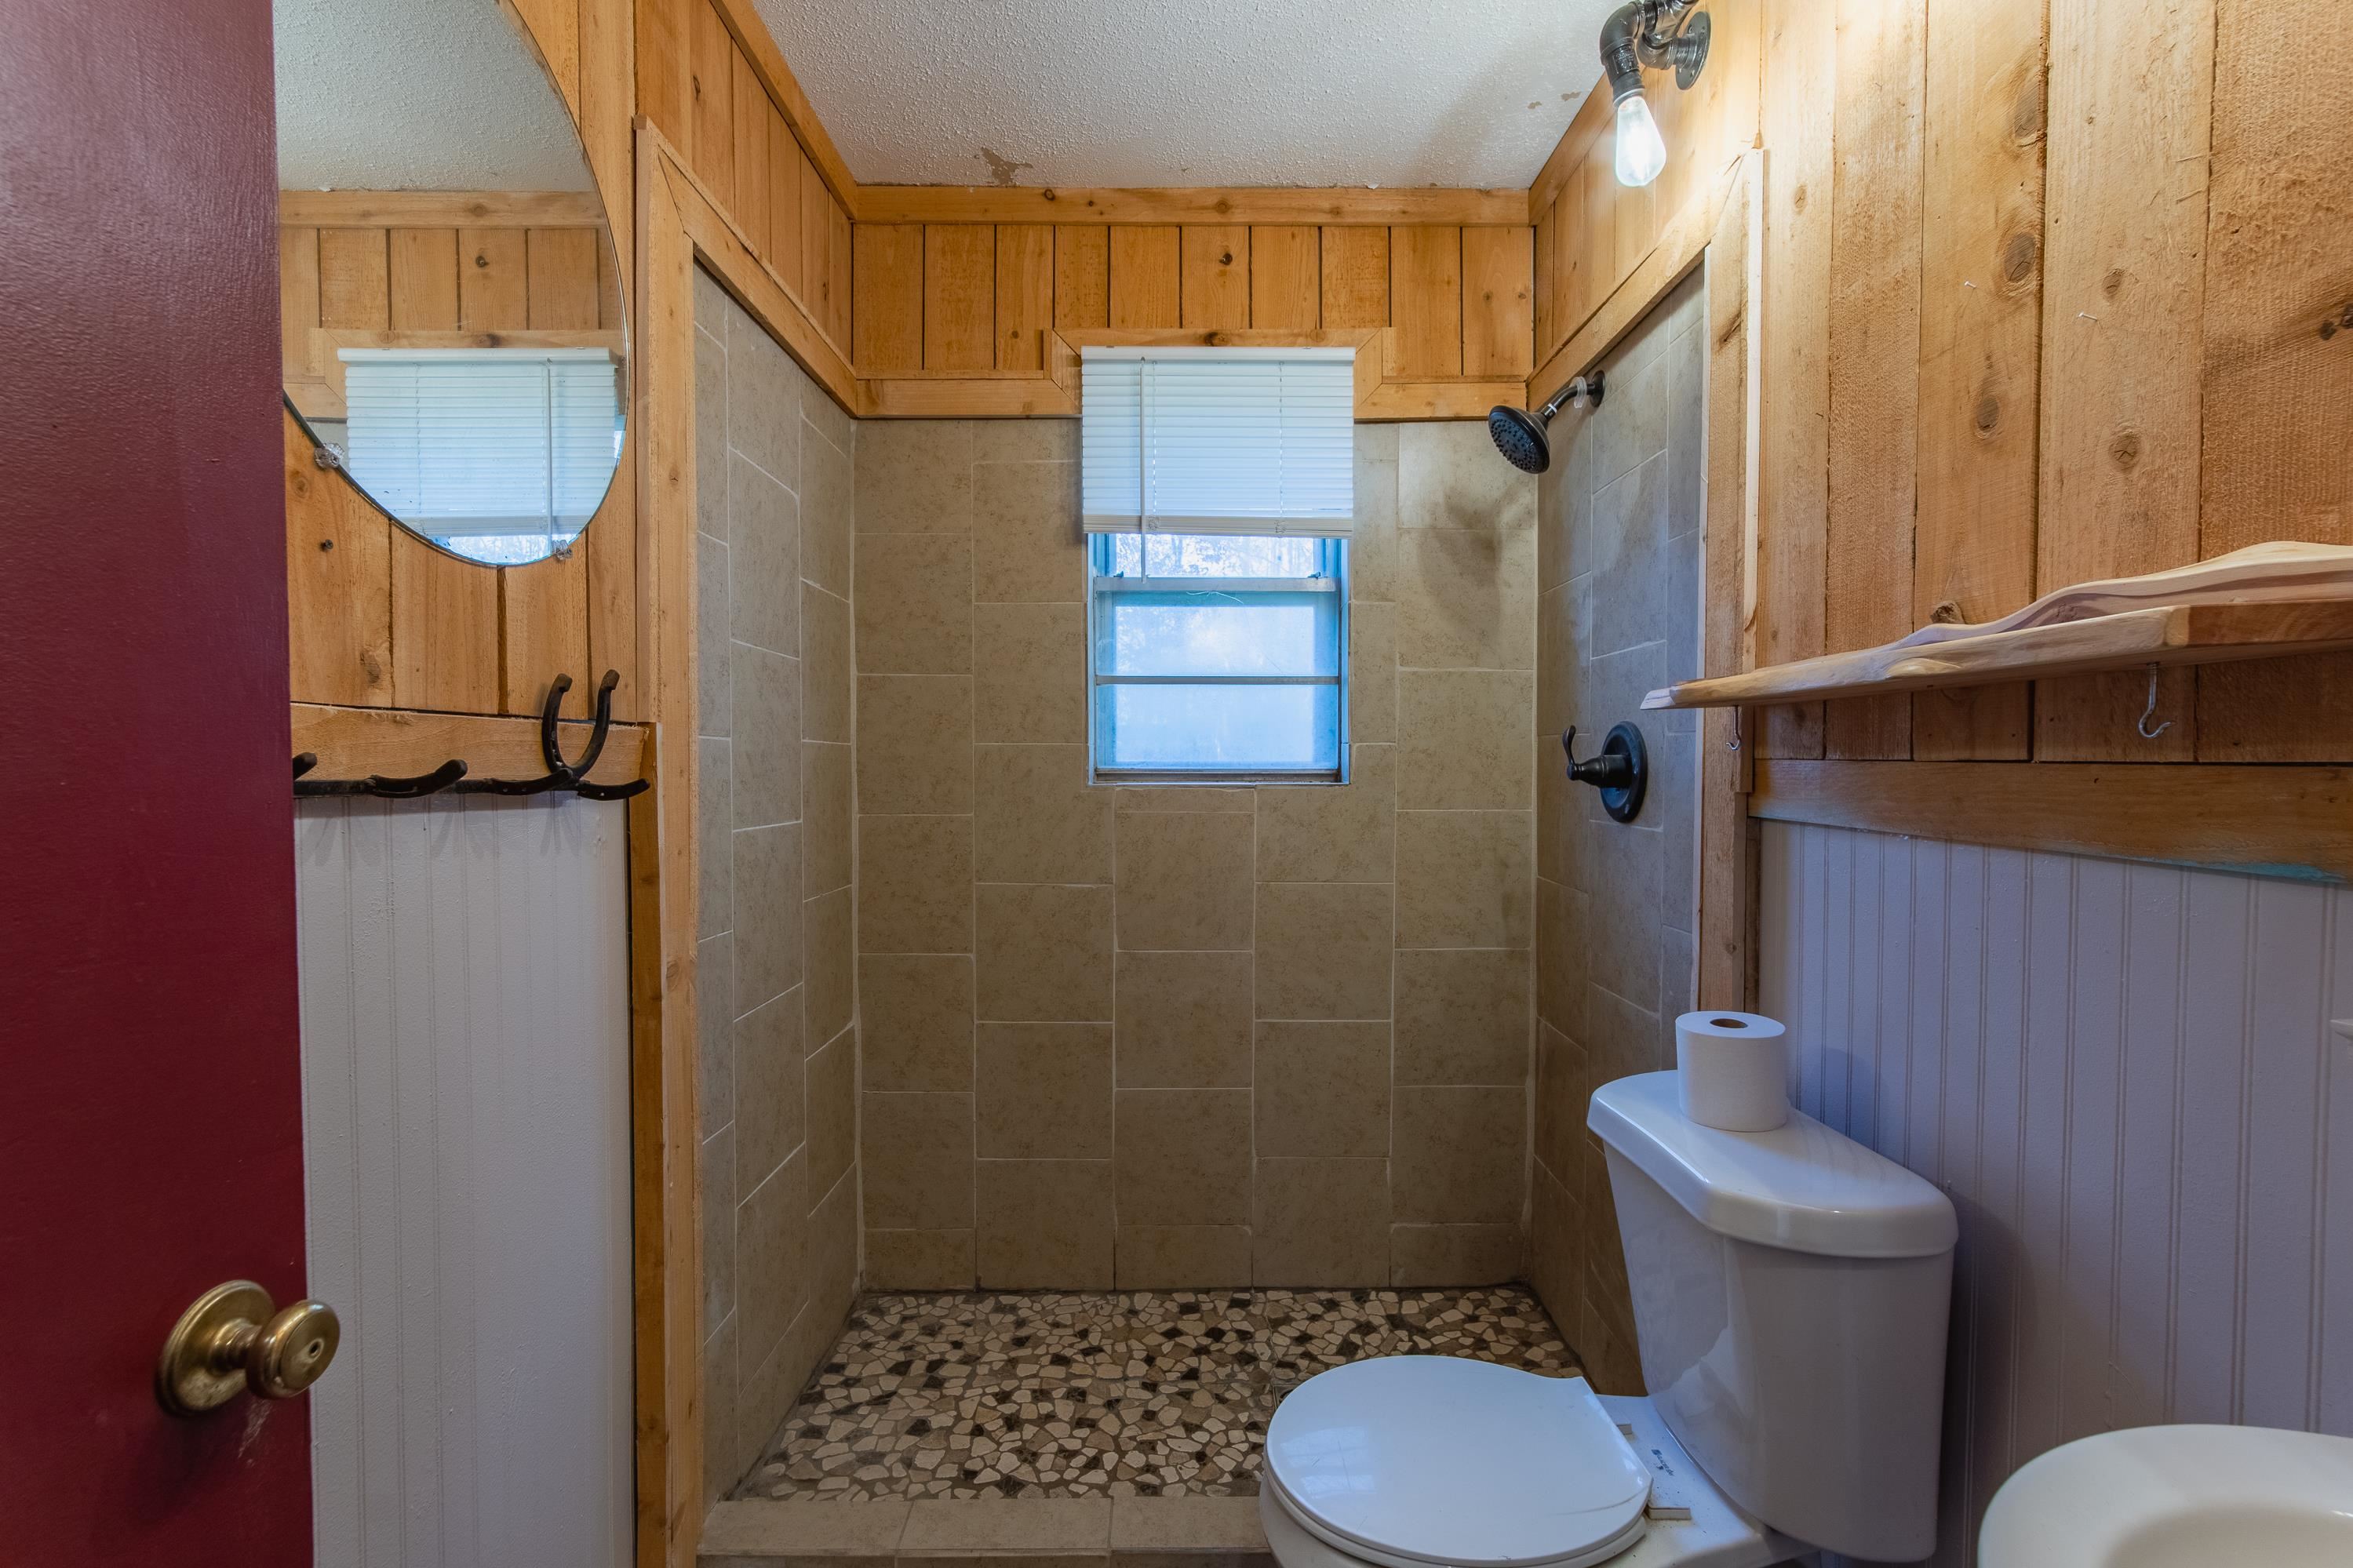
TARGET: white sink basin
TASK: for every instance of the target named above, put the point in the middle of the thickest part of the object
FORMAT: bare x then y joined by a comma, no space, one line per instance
2178,1497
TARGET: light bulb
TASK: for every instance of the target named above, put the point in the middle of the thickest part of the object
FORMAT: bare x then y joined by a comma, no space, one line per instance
1640,153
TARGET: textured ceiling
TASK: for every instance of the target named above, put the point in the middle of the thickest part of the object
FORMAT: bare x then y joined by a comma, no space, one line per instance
416,95
1193,92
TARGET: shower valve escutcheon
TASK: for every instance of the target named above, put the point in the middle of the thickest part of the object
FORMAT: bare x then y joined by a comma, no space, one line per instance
1620,770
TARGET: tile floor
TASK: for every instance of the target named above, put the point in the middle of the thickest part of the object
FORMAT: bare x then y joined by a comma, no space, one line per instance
1137,1394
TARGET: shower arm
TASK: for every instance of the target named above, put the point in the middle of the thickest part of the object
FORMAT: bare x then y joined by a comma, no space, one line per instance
1577,393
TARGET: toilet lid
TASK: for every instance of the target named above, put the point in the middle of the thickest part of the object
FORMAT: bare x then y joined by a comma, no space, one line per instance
1442,1460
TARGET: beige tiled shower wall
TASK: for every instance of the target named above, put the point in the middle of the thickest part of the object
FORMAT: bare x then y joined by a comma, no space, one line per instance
774,984
1145,1037
1622,518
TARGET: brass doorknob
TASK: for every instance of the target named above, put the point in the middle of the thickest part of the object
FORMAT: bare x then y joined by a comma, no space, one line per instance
234,1340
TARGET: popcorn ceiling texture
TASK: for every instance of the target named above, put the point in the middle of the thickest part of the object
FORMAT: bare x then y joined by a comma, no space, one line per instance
1209,92
416,95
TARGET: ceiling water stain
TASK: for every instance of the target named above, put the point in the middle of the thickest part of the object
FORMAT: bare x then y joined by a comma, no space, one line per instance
1001,170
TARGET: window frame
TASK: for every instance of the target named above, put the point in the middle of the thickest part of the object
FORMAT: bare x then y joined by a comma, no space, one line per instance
1333,580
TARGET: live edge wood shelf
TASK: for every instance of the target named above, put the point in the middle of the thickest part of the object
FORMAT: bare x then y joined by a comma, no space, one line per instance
2169,633
2265,602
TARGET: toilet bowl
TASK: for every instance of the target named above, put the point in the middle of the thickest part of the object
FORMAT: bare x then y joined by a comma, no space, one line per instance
1790,1290
1413,1461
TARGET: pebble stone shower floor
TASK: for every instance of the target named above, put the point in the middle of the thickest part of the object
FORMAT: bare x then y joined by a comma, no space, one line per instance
1135,1394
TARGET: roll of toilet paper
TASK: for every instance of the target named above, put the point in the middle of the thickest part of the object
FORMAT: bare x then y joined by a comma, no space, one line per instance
1735,1068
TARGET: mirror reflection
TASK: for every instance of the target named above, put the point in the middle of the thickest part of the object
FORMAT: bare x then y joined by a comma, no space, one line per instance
452,329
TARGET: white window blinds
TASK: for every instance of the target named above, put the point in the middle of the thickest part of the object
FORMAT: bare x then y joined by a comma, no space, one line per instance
1218,440
484,441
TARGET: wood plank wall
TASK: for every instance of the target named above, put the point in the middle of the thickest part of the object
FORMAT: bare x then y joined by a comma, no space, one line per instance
1592,234
2053,292
440,273
711,82
978,299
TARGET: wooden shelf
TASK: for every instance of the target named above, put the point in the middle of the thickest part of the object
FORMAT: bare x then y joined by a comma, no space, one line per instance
2161,634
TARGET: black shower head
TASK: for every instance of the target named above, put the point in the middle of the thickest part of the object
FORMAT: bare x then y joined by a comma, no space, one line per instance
1520,436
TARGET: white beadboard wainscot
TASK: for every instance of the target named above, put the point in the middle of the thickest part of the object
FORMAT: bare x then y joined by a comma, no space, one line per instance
465,1068
2127,1078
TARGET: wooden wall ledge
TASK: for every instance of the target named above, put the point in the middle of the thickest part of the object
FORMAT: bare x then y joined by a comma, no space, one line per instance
2263,602
2169,633
2277,821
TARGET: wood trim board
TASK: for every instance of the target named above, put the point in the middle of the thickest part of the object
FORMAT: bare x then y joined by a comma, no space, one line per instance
1267,205
2284,821
1727,849
353,742
712,231
440,209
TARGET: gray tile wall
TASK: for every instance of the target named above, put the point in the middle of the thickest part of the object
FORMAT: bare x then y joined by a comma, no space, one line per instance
1622,521
1158,1037
774,963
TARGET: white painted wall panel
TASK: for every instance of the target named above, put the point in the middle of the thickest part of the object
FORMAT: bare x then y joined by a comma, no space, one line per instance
465,1063
2125,1077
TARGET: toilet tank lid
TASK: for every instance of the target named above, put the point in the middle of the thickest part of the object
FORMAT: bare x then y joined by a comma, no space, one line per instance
1802,1186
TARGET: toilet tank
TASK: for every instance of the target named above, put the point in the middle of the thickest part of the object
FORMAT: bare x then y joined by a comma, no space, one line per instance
1790,1290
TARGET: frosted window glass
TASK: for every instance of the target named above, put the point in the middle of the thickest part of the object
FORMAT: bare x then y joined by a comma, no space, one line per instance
1220,728
1214,555
1217,633
1226,657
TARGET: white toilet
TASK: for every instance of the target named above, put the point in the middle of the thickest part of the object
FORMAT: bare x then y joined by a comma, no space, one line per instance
1790,1293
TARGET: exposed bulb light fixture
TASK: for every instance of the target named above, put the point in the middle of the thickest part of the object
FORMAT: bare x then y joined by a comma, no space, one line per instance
1660,34
1640,153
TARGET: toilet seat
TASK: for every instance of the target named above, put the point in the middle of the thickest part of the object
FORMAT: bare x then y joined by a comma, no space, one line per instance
1410,1461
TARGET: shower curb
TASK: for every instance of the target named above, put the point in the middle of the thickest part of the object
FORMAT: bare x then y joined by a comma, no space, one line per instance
988,1532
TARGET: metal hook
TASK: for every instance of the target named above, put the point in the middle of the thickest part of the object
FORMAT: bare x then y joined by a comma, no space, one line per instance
2149,712
382,788
451,774
560,774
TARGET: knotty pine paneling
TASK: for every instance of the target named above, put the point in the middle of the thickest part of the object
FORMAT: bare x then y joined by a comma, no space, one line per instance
1025,295
1285,277
2123,304
1081,275
949,299
1145,269
1874,348
2125,1078
2034,311
1793,456
1498,302
1213,285
761,156
2276,366
1425,302
959,295
1355,276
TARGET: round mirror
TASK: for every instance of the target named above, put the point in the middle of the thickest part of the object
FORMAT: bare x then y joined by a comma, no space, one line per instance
451,304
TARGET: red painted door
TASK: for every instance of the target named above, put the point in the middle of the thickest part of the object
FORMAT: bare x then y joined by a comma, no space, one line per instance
150,1109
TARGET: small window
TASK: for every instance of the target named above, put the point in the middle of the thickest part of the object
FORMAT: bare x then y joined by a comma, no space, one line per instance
501,455
1218,656
1218,493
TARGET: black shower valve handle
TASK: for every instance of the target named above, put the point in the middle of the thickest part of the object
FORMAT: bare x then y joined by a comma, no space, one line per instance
1620,770
1603,770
